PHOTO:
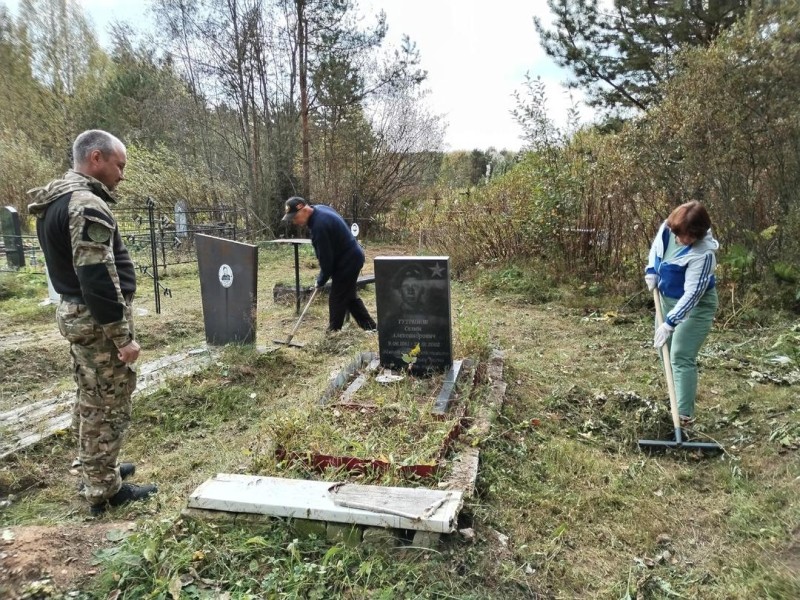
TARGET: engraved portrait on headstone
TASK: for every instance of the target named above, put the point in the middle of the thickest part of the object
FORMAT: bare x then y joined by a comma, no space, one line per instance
225,276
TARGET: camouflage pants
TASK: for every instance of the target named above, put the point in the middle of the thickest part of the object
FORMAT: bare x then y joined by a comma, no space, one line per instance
102,408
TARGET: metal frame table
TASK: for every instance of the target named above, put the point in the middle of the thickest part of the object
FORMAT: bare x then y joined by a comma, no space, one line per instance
296,242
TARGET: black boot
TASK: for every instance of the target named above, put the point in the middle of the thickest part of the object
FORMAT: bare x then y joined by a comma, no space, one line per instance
129,492
127,470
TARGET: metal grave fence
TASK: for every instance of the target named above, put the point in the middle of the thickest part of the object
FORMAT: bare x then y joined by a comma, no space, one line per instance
156,237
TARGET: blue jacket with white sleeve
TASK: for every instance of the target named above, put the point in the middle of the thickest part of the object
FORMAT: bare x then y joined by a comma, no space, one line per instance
685,276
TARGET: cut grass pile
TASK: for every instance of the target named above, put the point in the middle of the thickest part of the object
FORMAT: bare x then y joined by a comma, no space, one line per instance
391,423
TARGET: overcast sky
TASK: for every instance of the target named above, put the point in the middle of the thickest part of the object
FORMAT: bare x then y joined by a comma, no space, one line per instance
476,53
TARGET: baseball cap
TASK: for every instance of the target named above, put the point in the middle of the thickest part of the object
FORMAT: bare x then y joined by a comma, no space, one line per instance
293,204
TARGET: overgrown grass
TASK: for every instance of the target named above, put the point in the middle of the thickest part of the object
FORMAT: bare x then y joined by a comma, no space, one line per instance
566,506
21,285
21,296
523,283
392,423
25,368
203,561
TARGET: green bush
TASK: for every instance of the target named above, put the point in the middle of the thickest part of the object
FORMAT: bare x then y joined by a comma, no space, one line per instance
524,283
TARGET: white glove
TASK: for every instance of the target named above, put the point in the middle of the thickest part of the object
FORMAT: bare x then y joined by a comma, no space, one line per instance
651,279
662,335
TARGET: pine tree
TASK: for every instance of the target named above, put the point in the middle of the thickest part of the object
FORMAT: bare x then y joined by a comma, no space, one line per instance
623,54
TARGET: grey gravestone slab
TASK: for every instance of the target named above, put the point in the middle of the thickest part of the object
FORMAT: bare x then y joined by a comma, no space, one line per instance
228,286
413,300
181,219
12,237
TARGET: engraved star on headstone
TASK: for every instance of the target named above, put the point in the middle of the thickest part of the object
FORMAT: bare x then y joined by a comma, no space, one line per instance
436,270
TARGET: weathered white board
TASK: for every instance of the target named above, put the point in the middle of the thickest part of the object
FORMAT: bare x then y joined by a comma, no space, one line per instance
391,507
28,424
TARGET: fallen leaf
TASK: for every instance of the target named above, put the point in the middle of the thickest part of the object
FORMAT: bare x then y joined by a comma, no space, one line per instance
175,587
115,535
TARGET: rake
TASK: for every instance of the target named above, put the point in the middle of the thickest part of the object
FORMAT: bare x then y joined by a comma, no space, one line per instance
288,341
678,443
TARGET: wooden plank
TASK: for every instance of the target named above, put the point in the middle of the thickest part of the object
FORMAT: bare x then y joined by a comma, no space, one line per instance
358,382
324,501
150,374
36,409
30,424
29,438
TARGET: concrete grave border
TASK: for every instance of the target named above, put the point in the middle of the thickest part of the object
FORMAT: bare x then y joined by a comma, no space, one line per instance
236,499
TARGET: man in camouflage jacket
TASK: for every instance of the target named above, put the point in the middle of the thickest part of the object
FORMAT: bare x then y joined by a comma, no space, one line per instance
90,267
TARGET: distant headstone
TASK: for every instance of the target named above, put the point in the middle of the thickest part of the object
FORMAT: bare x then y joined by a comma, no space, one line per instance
228,286
181,219
12,237
413,301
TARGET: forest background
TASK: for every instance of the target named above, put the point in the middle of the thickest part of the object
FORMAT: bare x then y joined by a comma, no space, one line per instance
247,102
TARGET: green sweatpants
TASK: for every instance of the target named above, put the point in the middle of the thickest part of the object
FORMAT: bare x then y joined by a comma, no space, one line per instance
684,346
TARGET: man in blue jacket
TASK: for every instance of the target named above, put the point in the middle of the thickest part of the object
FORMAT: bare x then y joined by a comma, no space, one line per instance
340,260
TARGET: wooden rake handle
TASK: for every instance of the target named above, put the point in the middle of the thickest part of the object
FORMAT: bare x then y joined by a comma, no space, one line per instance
302,314
673,400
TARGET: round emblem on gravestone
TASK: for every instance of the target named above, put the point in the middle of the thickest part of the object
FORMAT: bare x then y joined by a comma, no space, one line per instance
226,276
354,229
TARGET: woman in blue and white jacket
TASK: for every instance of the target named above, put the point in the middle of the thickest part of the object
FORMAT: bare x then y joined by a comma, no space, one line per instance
682,262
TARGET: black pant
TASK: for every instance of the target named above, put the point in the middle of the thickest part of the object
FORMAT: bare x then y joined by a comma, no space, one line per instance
344,299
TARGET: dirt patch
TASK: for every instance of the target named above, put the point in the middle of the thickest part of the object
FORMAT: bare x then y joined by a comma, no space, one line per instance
792,555
55,559
23,339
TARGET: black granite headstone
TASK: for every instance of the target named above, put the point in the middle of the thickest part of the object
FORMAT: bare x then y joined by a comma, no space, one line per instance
12,237
413,300
228,286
